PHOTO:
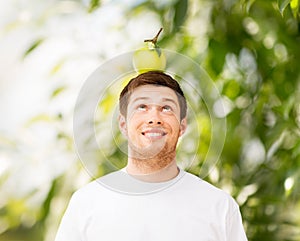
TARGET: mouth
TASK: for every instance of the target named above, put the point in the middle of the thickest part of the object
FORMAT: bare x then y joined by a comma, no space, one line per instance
154,134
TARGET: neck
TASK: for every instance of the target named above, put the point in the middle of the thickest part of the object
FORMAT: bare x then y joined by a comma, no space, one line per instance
150,173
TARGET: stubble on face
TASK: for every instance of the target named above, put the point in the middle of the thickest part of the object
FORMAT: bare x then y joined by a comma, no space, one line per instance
153,158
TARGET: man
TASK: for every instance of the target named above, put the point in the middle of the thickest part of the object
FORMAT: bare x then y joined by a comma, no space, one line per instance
151,198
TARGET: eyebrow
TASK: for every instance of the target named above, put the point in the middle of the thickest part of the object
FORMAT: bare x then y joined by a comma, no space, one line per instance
170,100
163,99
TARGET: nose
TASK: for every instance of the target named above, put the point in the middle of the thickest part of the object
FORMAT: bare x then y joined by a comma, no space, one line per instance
154,117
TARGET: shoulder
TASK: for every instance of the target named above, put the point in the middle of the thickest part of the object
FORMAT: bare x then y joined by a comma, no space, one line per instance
205,190
92,191
82,196
199,184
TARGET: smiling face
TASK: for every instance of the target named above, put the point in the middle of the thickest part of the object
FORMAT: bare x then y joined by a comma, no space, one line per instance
152,124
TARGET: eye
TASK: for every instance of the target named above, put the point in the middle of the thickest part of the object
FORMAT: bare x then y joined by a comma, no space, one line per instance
167,108
142,107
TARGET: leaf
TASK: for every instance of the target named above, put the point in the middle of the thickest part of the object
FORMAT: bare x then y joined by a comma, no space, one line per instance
57,91
107,103
247,5
94,4
45,209
282,4
33,46
295,7
181,8
38,118
57,67
217,54
158,51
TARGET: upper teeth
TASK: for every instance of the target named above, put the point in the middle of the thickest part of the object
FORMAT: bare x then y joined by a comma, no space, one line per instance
153,134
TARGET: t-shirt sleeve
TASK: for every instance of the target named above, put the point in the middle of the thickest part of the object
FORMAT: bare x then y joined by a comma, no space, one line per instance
235,229
69,229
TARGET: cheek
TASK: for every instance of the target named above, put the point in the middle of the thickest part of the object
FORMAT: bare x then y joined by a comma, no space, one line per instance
174,124
136,119
133,124
175,120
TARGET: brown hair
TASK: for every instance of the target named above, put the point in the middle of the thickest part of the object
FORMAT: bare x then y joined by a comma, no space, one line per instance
152,78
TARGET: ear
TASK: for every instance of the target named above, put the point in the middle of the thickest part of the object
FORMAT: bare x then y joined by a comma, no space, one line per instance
183,126
122,124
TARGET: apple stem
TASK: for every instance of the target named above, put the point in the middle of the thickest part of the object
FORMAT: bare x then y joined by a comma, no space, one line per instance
154,40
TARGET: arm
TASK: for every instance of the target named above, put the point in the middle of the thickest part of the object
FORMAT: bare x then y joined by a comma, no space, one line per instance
235,229
69,229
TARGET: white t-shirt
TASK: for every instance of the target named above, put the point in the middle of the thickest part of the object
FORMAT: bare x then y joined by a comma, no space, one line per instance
185,208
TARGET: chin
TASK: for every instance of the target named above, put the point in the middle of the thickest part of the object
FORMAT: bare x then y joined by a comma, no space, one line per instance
153,151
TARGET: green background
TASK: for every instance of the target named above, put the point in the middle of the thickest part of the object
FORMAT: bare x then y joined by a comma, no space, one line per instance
250,49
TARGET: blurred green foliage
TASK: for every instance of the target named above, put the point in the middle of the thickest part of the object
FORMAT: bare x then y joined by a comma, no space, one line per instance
250,48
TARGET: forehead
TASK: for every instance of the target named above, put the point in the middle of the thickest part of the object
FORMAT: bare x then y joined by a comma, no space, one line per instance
153,93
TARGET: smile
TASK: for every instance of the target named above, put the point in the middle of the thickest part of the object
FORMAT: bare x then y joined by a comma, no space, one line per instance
154,133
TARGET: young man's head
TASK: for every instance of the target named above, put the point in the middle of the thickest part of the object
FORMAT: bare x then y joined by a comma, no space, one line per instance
152,117
156,78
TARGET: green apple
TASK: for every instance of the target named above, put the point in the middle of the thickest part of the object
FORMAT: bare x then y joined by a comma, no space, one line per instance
149,58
